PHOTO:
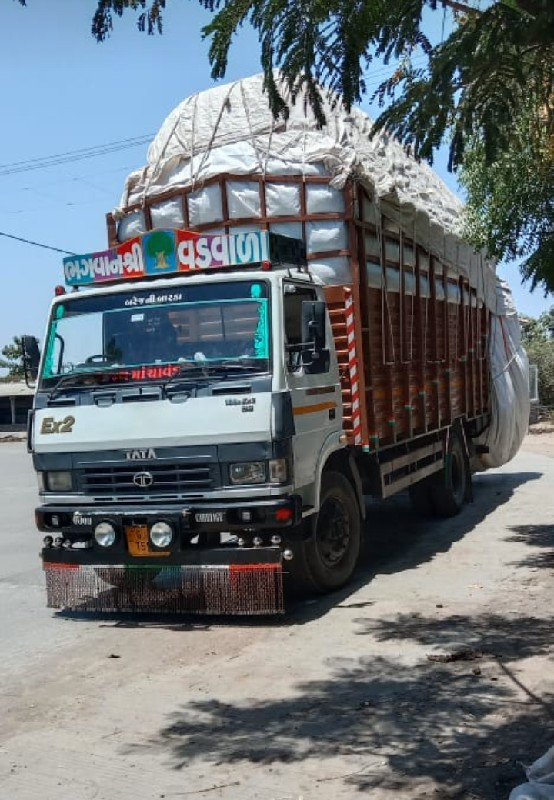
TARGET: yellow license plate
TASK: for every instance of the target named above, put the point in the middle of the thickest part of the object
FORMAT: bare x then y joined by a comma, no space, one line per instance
138,544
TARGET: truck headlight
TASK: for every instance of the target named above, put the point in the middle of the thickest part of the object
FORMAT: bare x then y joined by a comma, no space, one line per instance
278,470
248,472
58,481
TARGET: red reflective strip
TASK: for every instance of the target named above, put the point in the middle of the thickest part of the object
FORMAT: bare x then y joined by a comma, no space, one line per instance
252,567
52,565
353,367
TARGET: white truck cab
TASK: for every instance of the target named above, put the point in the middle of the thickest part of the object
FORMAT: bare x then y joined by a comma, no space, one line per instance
180,433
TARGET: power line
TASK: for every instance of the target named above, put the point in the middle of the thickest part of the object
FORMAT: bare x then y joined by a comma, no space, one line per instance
74,155
37,244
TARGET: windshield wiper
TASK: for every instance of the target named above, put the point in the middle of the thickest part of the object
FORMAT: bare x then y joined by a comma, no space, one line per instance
65,380
189,372
74,378
205,370
236,365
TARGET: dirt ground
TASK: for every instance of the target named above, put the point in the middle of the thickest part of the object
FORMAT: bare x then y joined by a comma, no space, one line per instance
431,677
540,439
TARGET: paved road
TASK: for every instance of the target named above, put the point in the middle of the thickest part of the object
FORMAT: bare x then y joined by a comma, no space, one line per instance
28,631
341,698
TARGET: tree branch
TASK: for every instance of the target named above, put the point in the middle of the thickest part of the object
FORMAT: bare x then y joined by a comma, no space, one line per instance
461,7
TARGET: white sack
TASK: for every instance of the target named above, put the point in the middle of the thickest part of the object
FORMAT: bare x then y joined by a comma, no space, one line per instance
131,225
333,270
324,235
243,200
205,205
532,791
167,214
541,780
292,229
509,375
321,198
282,199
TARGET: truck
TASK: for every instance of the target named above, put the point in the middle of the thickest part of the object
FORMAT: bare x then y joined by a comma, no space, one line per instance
271,336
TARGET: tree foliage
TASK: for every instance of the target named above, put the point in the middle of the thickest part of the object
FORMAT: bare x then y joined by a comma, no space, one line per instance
13,359
487,88
542,354
510,209
497,56
538,338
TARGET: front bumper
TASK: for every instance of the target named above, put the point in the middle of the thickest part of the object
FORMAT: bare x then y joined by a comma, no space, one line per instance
188,576
188,520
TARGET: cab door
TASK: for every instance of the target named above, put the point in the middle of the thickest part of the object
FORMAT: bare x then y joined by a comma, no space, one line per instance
316,398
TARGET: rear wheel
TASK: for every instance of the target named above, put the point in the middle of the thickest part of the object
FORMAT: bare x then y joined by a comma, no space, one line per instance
326,560
449,490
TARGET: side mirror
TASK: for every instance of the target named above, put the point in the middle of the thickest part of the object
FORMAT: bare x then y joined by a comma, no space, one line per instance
316,363
31,357
313,323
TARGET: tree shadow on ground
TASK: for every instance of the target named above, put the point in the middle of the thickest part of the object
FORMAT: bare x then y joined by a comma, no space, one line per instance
507,637
401,723
540,537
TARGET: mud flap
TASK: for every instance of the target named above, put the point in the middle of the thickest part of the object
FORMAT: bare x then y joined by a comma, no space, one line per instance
235,589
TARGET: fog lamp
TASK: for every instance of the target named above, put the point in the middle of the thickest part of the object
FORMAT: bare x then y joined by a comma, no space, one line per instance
104,533
161,534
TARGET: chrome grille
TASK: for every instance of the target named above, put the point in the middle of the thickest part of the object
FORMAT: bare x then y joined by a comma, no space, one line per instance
168,478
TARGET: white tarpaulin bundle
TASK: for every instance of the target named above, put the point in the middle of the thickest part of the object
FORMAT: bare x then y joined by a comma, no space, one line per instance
509,375
230,130
540,776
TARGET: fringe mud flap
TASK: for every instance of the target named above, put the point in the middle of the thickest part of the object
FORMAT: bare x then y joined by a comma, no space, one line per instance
233,589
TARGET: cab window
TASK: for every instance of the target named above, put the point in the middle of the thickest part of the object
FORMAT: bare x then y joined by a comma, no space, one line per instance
294,296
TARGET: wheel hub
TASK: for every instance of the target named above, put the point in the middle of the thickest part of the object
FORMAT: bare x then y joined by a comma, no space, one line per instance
333,532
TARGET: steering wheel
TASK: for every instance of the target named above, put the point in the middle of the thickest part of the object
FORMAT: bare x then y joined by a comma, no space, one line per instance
98,358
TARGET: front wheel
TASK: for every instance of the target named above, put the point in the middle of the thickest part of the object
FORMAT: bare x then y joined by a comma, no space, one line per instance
327,559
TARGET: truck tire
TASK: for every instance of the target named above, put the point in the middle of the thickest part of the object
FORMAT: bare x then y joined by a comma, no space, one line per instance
326,560
448,492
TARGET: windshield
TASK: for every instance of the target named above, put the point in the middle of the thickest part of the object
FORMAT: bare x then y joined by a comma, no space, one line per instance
152,335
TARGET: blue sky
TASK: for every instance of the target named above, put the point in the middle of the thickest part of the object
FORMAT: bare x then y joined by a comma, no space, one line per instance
61,91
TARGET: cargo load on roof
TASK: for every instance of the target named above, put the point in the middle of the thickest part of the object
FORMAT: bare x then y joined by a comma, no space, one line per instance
221,163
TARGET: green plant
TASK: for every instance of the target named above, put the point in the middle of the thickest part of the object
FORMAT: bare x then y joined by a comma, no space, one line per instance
538,338
13,359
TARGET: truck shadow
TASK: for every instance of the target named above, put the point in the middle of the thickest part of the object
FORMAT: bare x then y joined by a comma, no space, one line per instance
395,722
396,539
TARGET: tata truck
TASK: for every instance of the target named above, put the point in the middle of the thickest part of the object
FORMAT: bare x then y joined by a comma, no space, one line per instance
285,321
207,421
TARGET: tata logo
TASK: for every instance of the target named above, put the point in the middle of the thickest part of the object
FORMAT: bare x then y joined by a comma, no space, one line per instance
140,455
143,479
